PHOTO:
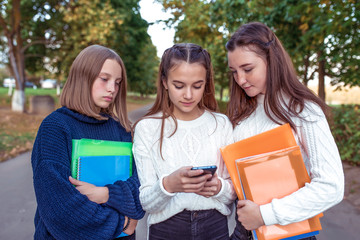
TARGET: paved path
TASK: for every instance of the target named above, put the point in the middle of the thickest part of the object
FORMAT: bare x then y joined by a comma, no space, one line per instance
17,206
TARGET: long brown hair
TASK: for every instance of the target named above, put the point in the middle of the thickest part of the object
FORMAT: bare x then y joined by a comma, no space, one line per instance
76,94
172,57
281,78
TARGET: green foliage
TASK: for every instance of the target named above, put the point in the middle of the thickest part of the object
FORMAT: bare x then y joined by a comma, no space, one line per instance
345,128
9,140
321,37
5,100
132,42
54,32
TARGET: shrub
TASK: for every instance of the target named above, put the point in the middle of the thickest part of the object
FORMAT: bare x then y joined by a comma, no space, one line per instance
345,128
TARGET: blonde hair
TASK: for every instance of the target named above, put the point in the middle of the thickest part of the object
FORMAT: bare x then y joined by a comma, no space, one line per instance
76,94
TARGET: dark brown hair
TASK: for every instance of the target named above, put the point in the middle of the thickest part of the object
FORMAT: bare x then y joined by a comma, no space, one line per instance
172,57
281,78
76,94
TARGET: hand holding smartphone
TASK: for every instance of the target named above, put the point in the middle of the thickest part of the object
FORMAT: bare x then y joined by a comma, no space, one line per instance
207,169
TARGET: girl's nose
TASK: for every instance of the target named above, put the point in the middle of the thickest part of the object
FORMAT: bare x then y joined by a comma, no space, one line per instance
111,86
240,78
188,93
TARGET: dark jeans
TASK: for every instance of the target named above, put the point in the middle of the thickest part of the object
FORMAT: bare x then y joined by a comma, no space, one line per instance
192,225
130,237
240,233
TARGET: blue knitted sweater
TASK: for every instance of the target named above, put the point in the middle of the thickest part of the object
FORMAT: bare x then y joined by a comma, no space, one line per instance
63,212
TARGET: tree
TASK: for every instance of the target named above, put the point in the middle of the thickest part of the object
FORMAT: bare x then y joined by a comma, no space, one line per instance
194,22
44,36
11,29
134,44
122,29
322,37
20,23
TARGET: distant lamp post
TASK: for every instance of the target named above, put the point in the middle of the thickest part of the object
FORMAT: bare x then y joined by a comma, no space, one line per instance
58,89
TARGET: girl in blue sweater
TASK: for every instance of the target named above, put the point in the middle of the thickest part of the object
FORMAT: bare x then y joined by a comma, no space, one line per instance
94,107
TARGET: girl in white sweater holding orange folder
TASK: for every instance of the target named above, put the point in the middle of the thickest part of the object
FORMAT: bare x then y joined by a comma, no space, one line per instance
266,93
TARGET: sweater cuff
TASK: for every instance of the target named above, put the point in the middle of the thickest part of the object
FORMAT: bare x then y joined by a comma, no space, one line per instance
267,214
162,187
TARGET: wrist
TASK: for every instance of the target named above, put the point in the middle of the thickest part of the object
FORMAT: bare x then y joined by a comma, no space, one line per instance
165,184
219,186
127,224
105,195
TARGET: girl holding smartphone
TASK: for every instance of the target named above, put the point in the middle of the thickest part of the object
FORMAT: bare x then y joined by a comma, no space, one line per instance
183,130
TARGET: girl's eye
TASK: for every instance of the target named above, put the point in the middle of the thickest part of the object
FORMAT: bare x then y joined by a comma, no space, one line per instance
104,79
118,83
178,87
248,70
198,87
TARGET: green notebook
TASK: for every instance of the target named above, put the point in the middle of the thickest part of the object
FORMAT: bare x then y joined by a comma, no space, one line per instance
92,147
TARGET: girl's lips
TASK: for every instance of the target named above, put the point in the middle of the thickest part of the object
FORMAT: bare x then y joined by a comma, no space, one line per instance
186,103
108,99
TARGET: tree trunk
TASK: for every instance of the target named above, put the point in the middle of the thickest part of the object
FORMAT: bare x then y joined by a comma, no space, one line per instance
16,56
18,101
306,71
321,72
221,93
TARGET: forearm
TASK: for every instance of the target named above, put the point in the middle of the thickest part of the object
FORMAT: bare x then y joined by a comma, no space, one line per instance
226,194
327,180
124,197
154,198
66,212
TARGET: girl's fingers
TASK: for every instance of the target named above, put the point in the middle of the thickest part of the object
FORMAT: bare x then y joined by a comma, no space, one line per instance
74,181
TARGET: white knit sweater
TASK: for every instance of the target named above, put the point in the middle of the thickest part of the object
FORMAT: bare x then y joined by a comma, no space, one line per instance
322,161
195,143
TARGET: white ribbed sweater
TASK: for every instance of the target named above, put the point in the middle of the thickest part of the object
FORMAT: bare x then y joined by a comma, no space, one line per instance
195,143
322,161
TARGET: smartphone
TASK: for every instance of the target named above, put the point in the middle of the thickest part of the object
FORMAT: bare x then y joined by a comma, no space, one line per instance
207,169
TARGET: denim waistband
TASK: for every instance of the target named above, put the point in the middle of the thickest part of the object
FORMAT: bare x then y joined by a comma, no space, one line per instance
192,215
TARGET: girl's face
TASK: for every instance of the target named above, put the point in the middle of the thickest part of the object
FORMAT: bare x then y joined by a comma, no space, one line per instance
249,70
106,85
186,84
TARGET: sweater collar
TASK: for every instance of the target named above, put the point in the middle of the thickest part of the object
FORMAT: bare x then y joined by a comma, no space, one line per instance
80,117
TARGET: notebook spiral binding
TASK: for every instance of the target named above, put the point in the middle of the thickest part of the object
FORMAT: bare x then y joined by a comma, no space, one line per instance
78,169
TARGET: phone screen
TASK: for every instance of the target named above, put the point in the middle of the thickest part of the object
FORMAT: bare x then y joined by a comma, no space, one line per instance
207,169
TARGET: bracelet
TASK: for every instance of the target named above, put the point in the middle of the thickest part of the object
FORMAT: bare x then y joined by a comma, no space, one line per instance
127,224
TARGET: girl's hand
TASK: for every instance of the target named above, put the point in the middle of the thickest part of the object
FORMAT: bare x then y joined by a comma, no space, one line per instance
95,194
185,180
211,187
131,228
249,214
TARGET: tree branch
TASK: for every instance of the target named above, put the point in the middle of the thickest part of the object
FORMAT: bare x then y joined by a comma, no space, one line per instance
43,41
33,55
4,26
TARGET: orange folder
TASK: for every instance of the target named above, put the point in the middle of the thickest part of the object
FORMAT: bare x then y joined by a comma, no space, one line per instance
275,139
275,175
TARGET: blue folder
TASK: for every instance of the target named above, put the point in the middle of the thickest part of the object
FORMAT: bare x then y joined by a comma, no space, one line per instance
102,170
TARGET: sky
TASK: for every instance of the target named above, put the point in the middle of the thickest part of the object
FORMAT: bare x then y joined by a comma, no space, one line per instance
161,36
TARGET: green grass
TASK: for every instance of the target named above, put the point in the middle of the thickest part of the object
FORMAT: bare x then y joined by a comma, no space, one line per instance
8,142
5,99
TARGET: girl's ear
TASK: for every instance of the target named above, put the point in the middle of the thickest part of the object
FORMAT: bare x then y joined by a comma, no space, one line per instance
164,83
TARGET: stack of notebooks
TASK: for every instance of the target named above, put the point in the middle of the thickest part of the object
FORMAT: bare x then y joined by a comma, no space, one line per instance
101,162
267,166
